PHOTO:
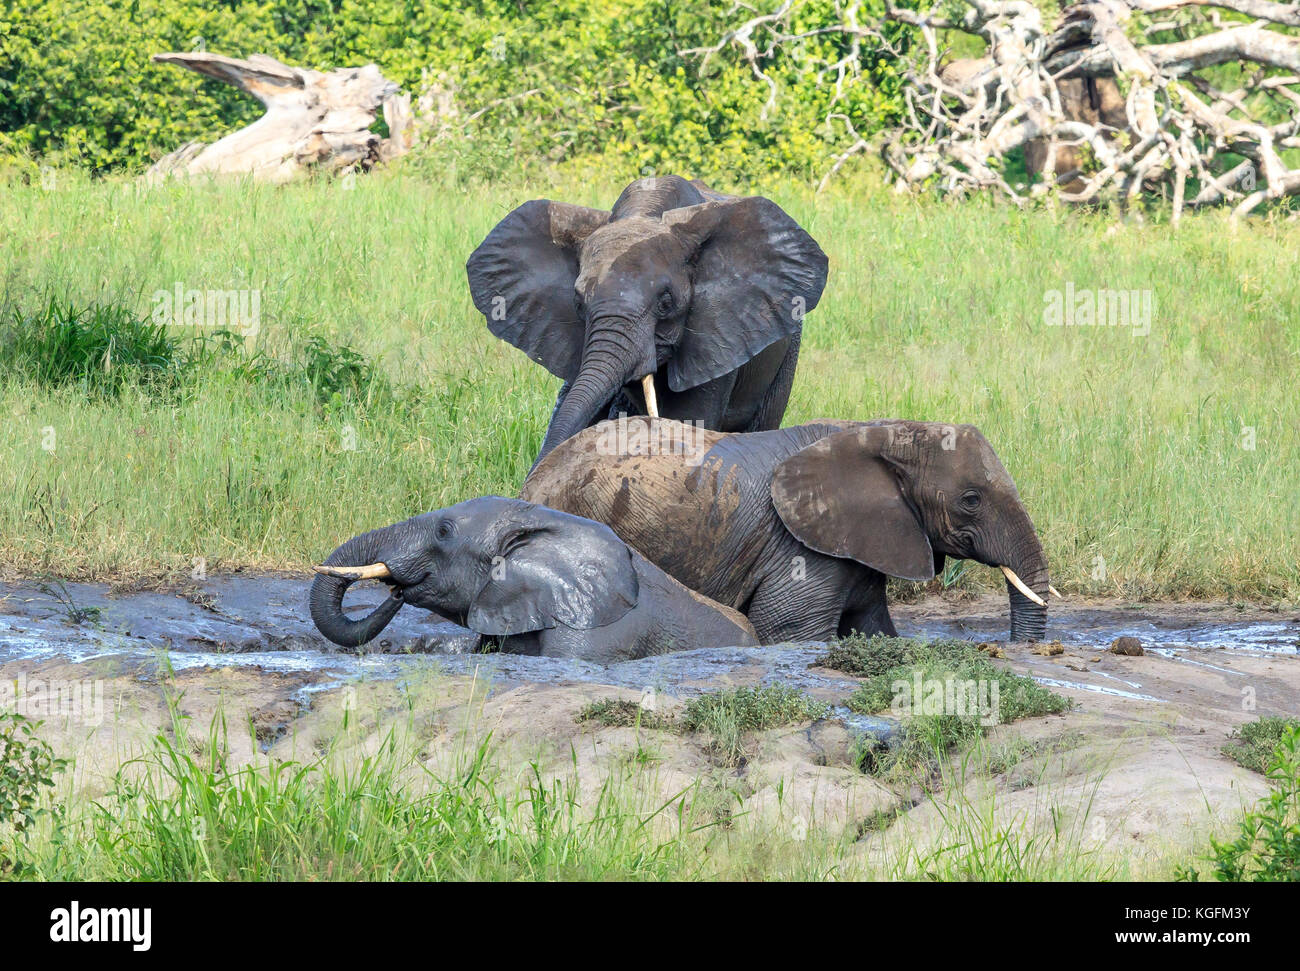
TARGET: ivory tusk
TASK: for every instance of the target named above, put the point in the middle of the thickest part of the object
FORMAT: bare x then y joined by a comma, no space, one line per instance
375,571
1054,592
651,403
1019,584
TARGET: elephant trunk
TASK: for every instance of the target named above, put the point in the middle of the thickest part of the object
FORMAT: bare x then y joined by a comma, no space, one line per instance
1026,559
608,362
326,598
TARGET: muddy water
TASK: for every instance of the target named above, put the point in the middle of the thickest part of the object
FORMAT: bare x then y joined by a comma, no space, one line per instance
262,622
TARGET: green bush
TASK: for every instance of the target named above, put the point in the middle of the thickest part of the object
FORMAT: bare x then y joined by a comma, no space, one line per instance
888,663
608,81
728,716
1254,745
1267,845
27,769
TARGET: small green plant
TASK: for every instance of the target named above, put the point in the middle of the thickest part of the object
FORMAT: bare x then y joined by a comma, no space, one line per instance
895,668
1267,845
75,613
622,713
27,768
728,716
1254,745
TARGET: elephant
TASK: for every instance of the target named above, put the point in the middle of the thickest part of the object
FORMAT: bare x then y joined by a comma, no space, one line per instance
798,528
542,582
679,301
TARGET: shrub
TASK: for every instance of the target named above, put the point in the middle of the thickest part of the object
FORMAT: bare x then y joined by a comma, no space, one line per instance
1255,745
889,663
1267,845
27,768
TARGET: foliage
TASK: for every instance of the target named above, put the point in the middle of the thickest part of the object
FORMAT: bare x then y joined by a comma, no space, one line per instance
1254,745
728,716
101,348
622,713
1267,844
27,768
608,82
893,666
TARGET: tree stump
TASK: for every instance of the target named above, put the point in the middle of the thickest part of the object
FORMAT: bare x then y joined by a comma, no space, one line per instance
314,120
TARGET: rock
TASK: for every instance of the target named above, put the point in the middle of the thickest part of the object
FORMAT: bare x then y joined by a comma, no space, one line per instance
1128,646
992,650
1094,660
1049,650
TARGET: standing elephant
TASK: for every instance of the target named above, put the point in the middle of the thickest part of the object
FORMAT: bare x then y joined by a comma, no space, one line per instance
544,582
799,527
679,296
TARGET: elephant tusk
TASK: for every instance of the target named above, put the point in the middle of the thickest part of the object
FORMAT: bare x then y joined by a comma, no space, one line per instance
1019,584
375,571
651,403
1054,592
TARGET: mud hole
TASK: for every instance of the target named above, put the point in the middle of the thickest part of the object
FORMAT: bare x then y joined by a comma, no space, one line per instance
1140,747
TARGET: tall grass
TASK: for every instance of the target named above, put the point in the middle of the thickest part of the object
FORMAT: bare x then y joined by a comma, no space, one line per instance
1161,465
185,809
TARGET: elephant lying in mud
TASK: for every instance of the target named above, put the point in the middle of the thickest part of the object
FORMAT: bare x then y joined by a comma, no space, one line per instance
544,582
680,301
799,527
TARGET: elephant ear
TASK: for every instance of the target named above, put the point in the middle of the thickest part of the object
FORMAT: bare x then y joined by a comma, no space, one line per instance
756,274
521,278
553,568
840,497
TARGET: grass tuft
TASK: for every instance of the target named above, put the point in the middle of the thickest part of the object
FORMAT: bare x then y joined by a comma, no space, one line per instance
1255,744
947,691
728,716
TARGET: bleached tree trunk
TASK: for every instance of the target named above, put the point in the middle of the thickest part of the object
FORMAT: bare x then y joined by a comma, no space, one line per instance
314,120
1154,122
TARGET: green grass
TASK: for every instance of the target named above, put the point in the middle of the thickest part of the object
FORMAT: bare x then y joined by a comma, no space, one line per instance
729,716
1255,744
1128,451
893,667
621,713
1266,846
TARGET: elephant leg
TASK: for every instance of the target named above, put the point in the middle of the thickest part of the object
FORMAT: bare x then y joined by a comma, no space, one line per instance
804,611
772,408
868,621
867,609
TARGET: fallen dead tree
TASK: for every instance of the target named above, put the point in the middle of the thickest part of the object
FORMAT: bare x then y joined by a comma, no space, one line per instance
1123,91
314,120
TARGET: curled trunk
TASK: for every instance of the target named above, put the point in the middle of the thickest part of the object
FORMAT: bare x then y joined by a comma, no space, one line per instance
326,597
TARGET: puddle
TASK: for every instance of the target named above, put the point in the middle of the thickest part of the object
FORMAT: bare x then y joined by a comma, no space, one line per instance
262,622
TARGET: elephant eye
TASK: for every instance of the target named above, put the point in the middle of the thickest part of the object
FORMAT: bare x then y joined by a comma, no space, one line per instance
970,500
444,530
666,303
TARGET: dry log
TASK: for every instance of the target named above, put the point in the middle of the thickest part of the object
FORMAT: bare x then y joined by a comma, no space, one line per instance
314,120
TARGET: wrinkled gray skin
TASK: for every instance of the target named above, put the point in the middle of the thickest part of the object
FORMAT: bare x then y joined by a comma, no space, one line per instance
799,527
537,581
705,291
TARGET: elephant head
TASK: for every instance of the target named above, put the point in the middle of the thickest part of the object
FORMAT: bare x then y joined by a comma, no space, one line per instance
674,276
498,566
899,496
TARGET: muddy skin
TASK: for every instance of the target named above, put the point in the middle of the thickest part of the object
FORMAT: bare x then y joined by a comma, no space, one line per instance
530,579
798,527
703,291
